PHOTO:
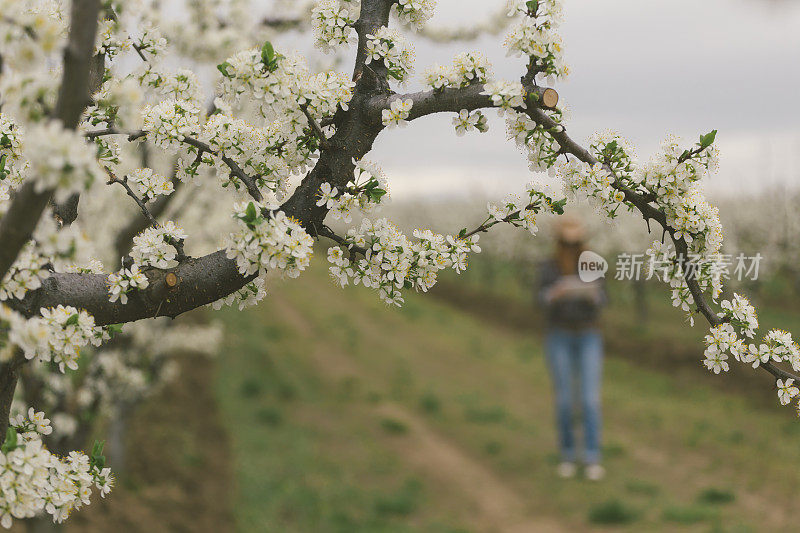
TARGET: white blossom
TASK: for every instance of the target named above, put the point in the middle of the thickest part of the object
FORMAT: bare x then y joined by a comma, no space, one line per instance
397,113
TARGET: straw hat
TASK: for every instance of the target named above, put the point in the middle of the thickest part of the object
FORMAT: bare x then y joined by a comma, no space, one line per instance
570,230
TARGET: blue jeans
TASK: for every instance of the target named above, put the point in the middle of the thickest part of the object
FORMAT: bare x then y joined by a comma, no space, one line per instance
576,355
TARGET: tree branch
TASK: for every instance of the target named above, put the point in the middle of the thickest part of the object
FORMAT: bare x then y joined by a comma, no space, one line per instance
374,14
453,100
112,178
199,281
642,203
315,127
18,224
236,170
124,239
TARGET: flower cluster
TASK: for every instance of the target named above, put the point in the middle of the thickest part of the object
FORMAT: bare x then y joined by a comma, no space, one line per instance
26,274
253,148
57,335
541,45
109,42
169,122
549,12
33,33
667,266
535,36
59,159
521,212
268,241
721,340
542,149
122,282
672,176
149,184
389,47
594,182
31,426
778,346
397,113
506,95
10,154
332,22
247,296
151,41
368,188
786,390
392,261
741,314
467,68
39,482
277,86
183,86
415,13
117,102
740,323
466,121
156,246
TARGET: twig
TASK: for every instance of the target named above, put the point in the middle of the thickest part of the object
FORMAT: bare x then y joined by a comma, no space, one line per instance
327,232
236,170
323,140
112,178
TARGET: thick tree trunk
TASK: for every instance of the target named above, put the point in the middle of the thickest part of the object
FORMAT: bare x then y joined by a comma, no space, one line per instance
9,375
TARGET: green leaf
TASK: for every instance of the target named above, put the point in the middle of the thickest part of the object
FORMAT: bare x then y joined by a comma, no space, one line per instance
462,233
376,194
11,441
97,457
223,68
532,5
558,206
72,320
113,329
267,53
708,139
251,213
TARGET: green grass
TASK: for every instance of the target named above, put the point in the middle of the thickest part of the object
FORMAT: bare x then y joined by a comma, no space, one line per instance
690,514
612,512
306,377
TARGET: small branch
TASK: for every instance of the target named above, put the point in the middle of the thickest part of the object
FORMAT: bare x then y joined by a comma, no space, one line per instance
323,140
91,135
236,170
282,23
139,52
124,182
202,147
325,231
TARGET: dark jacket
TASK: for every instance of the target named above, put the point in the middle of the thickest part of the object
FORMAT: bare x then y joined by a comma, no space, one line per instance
569,312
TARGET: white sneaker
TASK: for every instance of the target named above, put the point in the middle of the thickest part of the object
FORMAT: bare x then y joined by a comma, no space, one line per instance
566,470
594,472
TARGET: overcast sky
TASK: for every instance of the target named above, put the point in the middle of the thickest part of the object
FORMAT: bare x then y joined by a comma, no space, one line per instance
643,68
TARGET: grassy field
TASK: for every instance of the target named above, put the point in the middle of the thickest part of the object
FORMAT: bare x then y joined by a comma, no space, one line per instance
345,415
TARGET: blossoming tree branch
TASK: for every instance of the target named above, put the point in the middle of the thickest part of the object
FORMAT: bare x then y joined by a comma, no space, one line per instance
93,116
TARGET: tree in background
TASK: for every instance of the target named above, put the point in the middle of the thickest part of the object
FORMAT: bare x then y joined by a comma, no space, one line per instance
97,123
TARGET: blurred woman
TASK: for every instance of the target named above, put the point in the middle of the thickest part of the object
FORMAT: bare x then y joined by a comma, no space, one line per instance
574,347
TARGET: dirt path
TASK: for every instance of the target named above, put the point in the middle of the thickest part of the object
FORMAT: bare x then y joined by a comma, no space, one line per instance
496,507
179,476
